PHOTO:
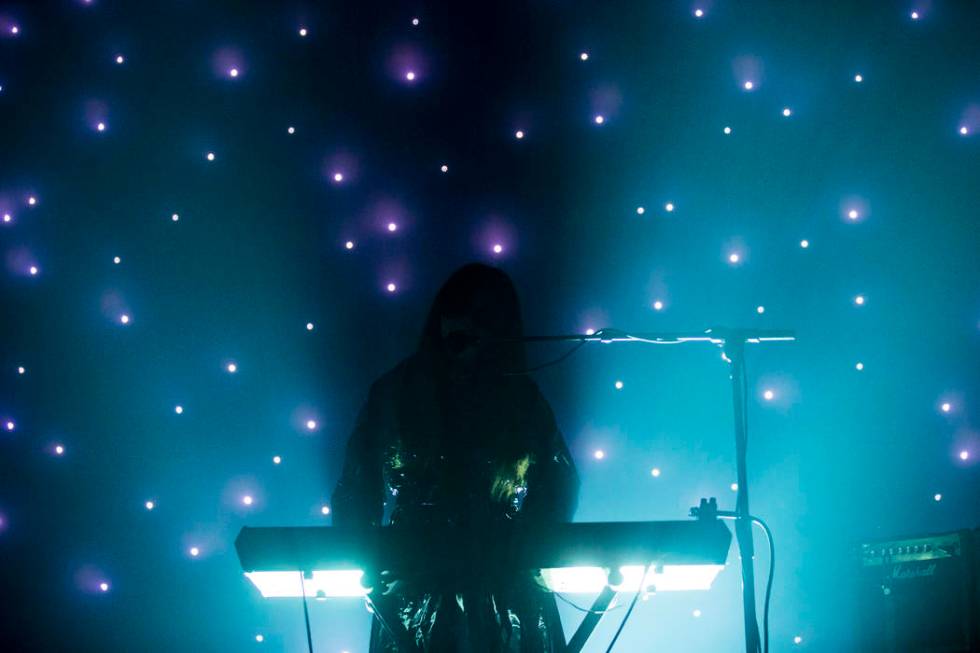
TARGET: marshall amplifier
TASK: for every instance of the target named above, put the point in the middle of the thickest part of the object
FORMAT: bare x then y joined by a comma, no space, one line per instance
920,594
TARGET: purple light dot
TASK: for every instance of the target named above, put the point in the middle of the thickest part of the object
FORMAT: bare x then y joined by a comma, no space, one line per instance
124,319
31,201
391,287
59,449
7,217
599,119
33,270
699,13
175,217
100,126
748,85
233,72
349,244
964,131
309,326
104,586
392,227
21,369
964,455
9,425
338,177
498,248
519,134
444,168
415,22
290,130
410,75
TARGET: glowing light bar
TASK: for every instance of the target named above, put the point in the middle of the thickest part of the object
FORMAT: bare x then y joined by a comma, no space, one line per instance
286,584
666,578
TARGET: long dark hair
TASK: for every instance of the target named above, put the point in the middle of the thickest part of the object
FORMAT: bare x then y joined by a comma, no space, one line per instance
501,314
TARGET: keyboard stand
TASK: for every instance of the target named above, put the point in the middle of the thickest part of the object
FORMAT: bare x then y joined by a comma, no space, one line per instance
591,620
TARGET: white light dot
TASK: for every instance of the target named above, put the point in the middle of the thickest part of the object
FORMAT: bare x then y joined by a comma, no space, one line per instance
964,130
590,332
946,407
104,587
734,257
727,130
232,368
669,207
210,156
303,31
859,367
58,449
324,510
797,640
760,309
914,15
584,56
31,201
748,85
658,305
392,226
640,210
21,370
247,499
309,326
859,300
33,270
937,497
599,119
149,505
233,72
391,287
14,29
519,134
804,243
415,22
195,551
261,638
7,217
120,59
444,167
655,472
179,409
858,78
853,214
311,424
768,395
599,454
124,318
10,426
964,455
619,385
116,260
349,244
787,112
290,130
276,460
498,248
338,177
696,613
175,217
410,75
699,13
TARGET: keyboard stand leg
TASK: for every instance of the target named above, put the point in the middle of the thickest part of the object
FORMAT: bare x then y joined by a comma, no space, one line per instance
591,620
393,627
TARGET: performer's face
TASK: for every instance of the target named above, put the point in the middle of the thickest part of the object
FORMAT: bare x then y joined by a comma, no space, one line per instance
458,338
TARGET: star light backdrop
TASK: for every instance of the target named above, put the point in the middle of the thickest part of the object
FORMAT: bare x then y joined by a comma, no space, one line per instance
221,222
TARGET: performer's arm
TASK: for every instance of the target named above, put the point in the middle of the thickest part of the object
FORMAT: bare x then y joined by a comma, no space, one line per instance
358,499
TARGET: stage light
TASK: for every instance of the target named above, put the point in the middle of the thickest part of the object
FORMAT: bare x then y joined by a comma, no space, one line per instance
290,130
727,130
590,332
391,287
179,409
964,130
797,640
32,200
914,15
415,22
699,13
410,75
734,487
349,244
655,472
9,425
658,305
964,455
760,309
392,226
324,510
20,369
669,207
310,425
232,368
599,454
859,300
584,56
247,500
33,270
937,497
859,367
59,449
15,30
748,85
210,156
116,260
338,177
787,112
233,72
804,243
309,326
260,638
120,59
276,460
149,505
946,407
498,248
696,613
853,214
734,258
194,551
859,78
665,578
619,385
303,31
175,217
599,119
768,395
519,134
104,586
124,318
640,210
100,127
7,217
444,168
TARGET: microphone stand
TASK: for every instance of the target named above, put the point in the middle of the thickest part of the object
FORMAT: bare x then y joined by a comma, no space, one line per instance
733,343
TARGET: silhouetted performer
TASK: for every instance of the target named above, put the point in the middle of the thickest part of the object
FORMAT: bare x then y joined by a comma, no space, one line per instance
456,437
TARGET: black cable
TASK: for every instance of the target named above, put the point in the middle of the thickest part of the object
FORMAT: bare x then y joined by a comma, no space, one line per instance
306,612
586,610
772,568
639,590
